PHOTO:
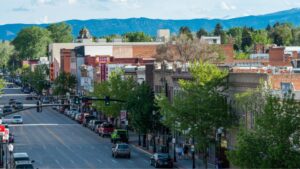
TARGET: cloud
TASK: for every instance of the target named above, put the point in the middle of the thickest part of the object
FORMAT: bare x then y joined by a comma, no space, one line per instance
20,9
44,2
71,2
227,7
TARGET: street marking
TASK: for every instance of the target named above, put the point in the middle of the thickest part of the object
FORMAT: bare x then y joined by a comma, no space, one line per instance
114,161
72,161
99,161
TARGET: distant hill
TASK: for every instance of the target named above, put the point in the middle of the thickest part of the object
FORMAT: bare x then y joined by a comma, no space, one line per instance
101,27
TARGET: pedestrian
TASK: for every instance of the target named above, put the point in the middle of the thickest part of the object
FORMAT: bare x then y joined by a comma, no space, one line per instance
185,151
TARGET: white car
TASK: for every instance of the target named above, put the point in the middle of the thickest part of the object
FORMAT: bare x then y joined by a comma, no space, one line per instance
17,119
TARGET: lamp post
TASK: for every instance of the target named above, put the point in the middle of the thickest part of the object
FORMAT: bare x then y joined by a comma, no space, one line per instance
218,144
174,148
10,149
193,154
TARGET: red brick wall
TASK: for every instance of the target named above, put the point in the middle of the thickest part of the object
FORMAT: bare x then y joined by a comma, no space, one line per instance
65,60
228,52
289,78
276,56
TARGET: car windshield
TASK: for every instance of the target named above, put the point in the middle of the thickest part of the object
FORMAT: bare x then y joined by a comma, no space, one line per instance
17,117
162,156
123,146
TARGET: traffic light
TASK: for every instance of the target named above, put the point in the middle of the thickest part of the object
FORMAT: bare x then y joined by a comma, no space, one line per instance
107,101
76,100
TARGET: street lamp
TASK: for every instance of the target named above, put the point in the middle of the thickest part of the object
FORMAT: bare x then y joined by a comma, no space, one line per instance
218,139
10,149
193,154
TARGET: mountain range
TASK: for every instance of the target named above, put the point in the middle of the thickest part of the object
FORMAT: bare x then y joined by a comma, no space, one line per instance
102,27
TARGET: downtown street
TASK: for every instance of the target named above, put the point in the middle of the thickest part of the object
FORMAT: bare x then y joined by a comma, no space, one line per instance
55,141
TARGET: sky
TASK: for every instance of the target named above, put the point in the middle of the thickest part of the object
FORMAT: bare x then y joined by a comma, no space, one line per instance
49,11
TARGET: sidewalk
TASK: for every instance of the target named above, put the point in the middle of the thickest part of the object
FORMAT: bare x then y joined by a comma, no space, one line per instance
180,163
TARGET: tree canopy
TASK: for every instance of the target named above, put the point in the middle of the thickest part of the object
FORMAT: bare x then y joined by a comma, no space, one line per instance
60,32
65,82
137,37
6,51
32,42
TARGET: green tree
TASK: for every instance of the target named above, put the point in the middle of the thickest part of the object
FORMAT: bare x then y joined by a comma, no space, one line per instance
282,34
185,31
6,51
296,36
201,32
141,106
218,30
32,42
274,140
60,32
261,37
137,37
117,87
236,34
65,82
200,107
36,79
246,39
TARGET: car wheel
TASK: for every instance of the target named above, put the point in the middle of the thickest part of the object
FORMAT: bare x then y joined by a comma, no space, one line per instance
155,165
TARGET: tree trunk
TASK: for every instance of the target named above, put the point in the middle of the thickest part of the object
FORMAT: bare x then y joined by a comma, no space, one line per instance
205,159
144,140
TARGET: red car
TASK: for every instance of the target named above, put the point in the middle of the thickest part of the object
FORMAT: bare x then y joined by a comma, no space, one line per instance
105,129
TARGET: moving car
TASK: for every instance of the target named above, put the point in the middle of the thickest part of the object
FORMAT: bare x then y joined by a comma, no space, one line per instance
12,102
161,160
121,150
105,129
20,157
119,135
18,105
17,119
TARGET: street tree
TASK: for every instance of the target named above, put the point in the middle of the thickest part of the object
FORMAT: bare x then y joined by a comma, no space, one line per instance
32,42
236,34
273,142
38,78
60,32
117,87
141,106
6,52
261,37
64,83
137,37
200,107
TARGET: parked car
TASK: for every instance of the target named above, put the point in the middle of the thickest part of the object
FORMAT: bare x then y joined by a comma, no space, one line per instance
78,117
87,119
7,109
105,129
18,105
17,119
161,160
26,91
95,123
121,150
119,135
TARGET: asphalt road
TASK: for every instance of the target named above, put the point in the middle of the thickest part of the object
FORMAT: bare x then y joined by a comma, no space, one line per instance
55,141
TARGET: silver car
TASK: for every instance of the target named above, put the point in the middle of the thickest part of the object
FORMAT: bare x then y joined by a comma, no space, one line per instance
121,149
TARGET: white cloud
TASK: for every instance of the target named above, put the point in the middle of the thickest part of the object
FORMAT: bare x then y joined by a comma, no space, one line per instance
44,2
71,2
227,6
45,19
